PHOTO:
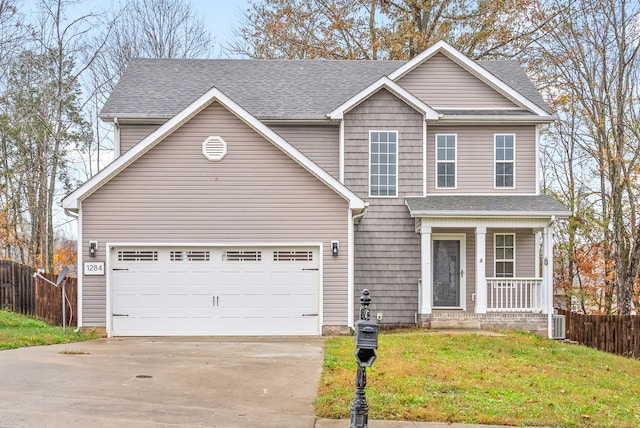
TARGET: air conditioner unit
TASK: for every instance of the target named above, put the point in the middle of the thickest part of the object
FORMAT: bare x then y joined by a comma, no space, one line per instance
559,327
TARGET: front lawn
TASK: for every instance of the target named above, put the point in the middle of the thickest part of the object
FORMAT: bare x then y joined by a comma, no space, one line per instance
17,331
518,379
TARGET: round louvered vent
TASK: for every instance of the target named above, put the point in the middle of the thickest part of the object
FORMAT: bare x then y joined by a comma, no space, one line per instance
214,148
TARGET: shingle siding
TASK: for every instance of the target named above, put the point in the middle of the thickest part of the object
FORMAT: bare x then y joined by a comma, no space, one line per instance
172,194
387,248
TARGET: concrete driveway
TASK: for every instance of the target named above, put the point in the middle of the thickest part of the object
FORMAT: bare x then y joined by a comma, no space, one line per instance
162,382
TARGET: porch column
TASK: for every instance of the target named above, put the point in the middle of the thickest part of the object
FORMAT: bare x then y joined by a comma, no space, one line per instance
481,272
425,280
538,241
547,270
547,276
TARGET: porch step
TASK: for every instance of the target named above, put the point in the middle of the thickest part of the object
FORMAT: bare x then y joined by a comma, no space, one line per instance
455,324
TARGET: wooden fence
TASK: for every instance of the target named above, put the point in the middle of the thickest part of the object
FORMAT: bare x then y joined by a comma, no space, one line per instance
617,334
49,301
22,293
17,288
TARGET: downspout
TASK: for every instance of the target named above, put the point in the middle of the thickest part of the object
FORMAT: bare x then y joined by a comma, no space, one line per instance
355,219
71,214
75,216
549,246
341,150
116,138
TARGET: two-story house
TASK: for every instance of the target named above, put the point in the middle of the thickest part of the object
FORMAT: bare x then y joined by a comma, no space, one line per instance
255,197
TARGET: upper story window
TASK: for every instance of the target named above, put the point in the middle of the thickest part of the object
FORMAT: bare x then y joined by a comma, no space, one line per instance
445,161
383,165
505,160
505,247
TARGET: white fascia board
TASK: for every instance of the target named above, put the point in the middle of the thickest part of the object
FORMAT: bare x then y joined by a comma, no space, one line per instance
472,67
490,214
386,83
72,201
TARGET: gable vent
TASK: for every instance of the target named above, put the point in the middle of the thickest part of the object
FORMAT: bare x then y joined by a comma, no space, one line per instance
214,148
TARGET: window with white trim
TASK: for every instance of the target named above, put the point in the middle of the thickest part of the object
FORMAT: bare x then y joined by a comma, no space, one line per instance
505,160
445,161
383,163
505,254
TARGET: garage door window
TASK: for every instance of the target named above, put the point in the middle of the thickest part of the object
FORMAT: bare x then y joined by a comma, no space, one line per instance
293,256
137,256
241,256
189,256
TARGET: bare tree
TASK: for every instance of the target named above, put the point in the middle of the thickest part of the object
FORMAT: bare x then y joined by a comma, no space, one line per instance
386,29
301,29
11,35
41,103
137,29
593,58
148,29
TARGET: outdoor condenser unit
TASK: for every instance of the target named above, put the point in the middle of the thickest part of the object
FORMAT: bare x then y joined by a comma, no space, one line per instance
559,327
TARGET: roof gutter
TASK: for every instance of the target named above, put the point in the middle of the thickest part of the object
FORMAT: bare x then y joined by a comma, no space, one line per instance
491,214
488,119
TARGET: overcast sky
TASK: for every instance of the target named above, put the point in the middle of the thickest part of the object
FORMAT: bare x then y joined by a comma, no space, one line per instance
219,16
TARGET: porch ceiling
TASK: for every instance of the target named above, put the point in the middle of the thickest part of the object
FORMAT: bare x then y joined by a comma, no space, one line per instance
526,206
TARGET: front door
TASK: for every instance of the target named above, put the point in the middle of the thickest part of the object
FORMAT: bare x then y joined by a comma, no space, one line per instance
448,272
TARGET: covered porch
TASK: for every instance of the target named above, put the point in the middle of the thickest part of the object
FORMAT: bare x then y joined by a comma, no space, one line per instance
486,261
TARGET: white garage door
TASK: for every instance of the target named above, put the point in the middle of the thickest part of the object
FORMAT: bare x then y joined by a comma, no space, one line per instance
214,291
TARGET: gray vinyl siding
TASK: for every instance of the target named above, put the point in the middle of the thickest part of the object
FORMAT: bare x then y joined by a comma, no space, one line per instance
387,248
131,134
320,143
476,158
172,194
525,252
441,83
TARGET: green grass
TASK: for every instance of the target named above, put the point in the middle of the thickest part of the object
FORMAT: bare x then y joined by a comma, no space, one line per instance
17,331
517,380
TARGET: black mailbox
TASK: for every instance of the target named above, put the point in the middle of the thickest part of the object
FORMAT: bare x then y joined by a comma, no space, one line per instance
366,335
365,357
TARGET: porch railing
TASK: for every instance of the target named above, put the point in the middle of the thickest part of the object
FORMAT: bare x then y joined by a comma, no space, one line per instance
514,294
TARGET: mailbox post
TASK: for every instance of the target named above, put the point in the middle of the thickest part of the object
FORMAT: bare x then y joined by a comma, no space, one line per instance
366,339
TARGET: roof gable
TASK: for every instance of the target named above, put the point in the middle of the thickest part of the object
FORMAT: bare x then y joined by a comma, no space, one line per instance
155,90
474,69
445,85
394,88
73,200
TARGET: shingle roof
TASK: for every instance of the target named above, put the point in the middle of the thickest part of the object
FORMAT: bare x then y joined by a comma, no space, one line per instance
511,73
278,89
503,205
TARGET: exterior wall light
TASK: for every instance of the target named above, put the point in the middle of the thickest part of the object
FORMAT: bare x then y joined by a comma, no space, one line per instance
335,245
93,247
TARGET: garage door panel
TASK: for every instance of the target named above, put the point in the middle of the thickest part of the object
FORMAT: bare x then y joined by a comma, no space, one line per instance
169,291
